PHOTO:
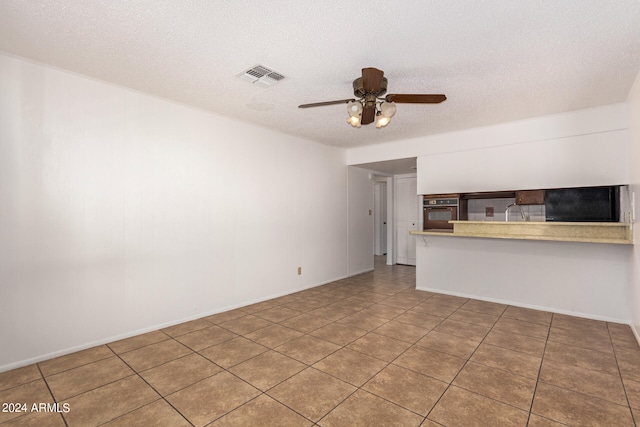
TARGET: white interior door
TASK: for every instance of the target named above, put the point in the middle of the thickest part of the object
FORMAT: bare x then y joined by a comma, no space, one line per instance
407,218
380,218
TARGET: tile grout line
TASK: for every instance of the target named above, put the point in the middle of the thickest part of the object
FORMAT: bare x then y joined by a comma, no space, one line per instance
624,387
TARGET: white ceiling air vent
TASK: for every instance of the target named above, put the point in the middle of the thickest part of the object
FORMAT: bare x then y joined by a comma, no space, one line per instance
261,75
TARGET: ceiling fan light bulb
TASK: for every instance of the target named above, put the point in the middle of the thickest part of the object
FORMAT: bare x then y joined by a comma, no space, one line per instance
354,121
354,108
382,121
387,109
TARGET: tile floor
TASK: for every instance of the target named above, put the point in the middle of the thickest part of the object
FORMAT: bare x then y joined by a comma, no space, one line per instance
368,350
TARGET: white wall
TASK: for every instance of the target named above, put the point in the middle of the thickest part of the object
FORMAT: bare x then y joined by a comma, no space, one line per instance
583,279
594,159
634,167
360,220
121,213
595,120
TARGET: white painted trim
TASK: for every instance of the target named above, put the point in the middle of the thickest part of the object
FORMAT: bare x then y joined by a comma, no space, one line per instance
635,333
359,272
531,306
115,338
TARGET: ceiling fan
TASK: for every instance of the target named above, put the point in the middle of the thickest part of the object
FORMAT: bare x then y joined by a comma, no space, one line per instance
369,90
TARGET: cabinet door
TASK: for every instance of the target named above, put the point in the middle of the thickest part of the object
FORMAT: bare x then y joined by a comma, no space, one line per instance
530,197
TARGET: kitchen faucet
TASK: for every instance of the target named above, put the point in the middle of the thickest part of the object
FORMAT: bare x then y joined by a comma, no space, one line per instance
506,212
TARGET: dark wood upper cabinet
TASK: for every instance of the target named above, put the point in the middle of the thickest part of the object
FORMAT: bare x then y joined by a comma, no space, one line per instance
530,197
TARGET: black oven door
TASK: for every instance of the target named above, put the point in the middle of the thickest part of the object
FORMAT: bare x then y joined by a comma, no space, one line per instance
438,218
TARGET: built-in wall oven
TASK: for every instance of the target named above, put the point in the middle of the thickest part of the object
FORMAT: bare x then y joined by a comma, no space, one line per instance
438,211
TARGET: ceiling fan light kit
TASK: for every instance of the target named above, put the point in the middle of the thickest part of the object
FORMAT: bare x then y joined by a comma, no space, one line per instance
369,90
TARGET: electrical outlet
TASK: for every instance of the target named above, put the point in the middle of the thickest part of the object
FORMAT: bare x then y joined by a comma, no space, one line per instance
299,271
369,212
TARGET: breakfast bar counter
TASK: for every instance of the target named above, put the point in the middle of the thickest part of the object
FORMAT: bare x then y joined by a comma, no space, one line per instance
588,232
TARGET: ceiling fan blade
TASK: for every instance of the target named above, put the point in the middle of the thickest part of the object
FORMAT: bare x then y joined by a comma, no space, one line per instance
415,99
321,104
372,79
368,115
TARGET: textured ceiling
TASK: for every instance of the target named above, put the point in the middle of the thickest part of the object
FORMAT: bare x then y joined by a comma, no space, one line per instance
495,60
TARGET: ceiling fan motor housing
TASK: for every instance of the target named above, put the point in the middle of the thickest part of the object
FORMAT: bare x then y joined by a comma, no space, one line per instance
358,88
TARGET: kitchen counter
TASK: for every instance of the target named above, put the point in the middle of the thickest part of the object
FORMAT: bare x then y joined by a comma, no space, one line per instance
589,232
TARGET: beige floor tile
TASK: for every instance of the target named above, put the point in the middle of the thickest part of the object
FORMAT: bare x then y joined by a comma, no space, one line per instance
514,390
463,329
508,360
312,393
515,326
246,324
593,383
628,362
339,333
25,394
581,357
37,419
459,407
185,328
528,315
434,309
622,335
179,373
365,409
262,411
402,331
265,305
633,393
212,398
305,323
435,364
350,366
573,408
379,346
308,349
467,316
226,316
387,312
203,338
406,388
138,341
87,377
400,302
538,421
486,307
305,304
364,321
233,352
273,335
450,344
155,354
158,413
73,360
420,319
277,314
19,376
581,339
516,342
578,324
106,403
333,312
267,370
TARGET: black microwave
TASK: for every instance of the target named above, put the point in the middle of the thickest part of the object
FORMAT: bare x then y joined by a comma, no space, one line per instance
584,204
